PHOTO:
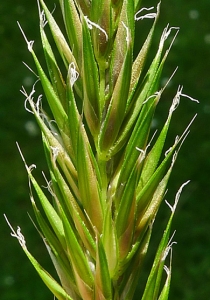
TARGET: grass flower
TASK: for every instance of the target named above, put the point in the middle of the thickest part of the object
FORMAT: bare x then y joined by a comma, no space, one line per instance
108,177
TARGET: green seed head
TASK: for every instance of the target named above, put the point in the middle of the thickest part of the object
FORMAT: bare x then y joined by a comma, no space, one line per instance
107,177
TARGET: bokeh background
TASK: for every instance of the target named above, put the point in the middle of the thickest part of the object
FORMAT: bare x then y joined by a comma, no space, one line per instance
191,52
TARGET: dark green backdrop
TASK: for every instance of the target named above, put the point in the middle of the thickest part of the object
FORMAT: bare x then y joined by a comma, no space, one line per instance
191,51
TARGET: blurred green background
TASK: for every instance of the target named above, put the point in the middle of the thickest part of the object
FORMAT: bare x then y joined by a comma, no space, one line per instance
191,51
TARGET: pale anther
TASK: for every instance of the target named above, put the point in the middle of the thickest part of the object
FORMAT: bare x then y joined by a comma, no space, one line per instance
49,184
43,20
127,32
166,33
147,16
142,154
152,96
177,139
31,168
17,234
73,74
150,15
173,208
29,43
168,247
167,270
55,152
30,99
92,24
176,99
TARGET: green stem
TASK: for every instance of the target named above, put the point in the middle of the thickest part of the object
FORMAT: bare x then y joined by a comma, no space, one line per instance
102,70
104,181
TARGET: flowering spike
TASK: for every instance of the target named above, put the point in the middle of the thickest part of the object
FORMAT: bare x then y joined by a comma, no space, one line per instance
107,176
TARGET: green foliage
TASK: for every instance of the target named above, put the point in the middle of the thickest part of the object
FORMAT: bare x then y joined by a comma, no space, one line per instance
105,186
